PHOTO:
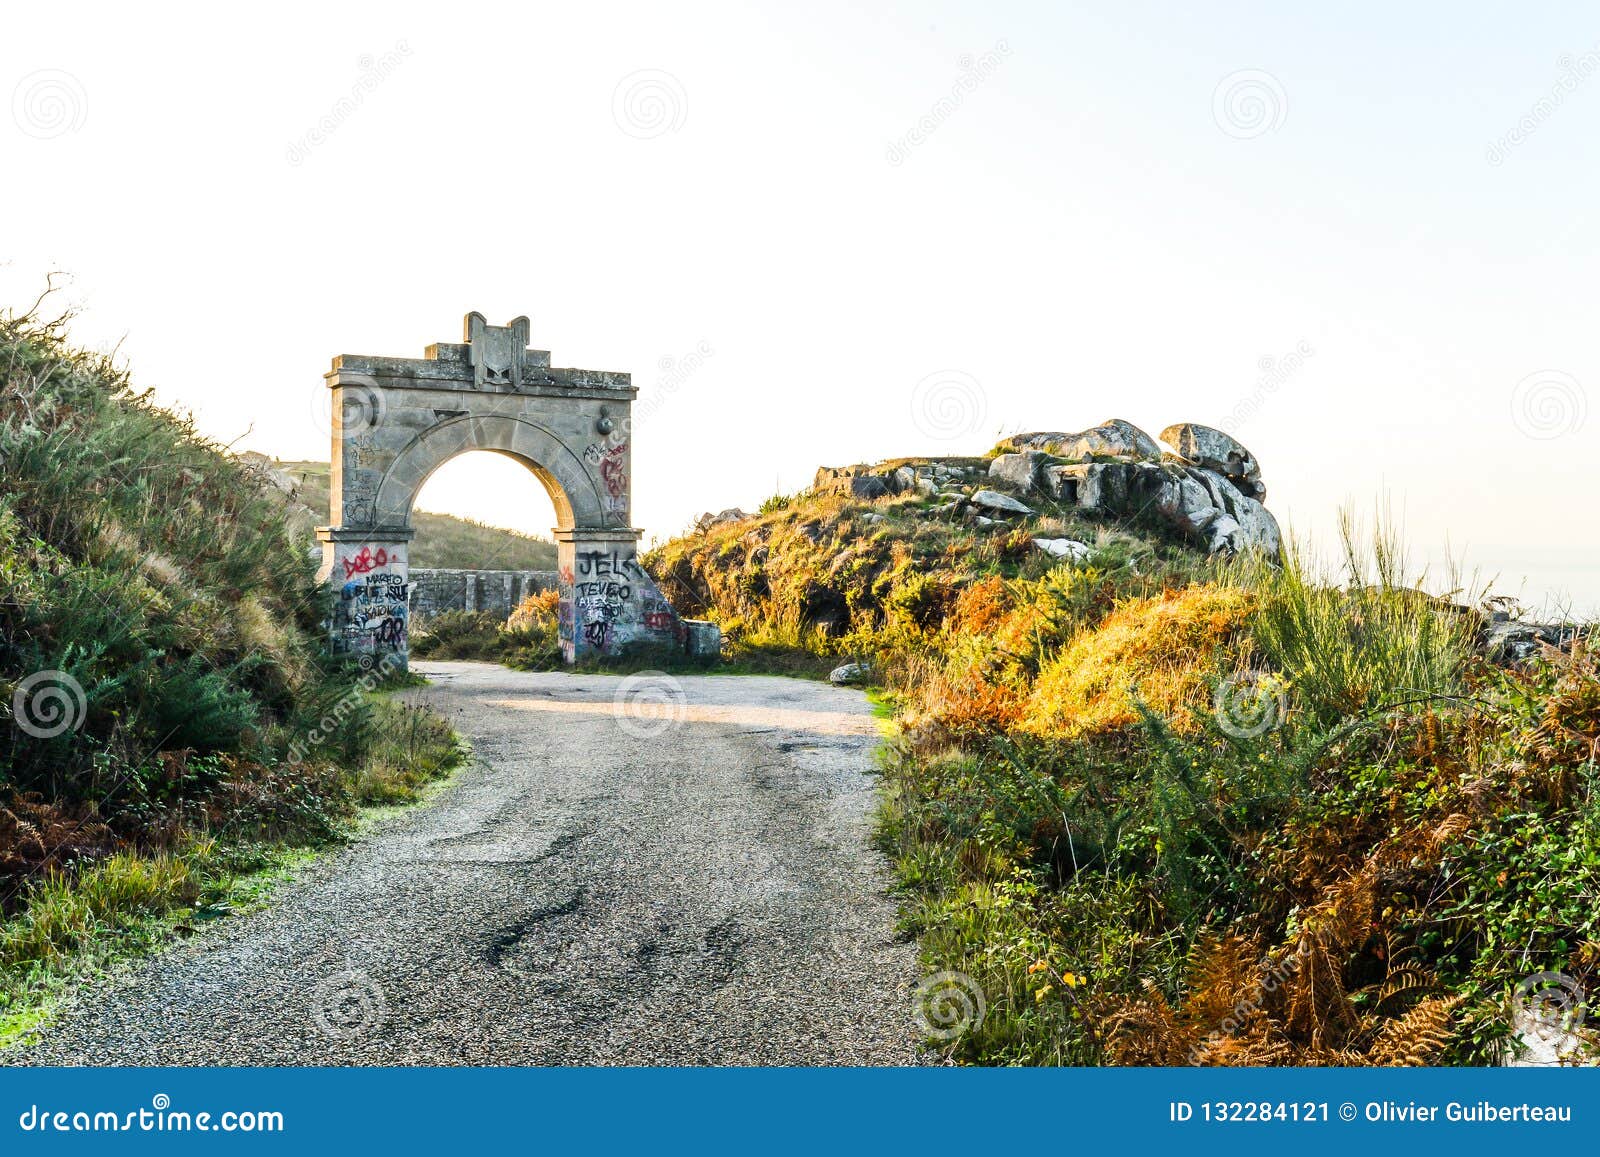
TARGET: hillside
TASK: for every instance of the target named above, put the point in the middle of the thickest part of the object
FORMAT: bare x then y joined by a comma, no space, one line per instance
172,721
443,540
1166,792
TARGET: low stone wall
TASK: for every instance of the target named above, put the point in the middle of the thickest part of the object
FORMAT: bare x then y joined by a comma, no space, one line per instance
495,591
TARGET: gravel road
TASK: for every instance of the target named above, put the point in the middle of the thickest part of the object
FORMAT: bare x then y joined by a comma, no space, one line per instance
688,882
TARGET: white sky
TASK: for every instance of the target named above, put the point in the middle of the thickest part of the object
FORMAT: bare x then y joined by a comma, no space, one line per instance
1079,239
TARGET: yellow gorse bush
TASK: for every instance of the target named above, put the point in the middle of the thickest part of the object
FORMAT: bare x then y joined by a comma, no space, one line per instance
1162,649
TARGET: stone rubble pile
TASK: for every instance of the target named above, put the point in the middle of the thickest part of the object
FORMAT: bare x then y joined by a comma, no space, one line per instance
1505,639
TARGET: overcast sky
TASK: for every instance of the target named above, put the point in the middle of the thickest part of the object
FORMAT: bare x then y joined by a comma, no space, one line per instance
1363,238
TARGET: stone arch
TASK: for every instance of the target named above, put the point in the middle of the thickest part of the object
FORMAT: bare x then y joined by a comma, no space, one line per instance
573,491
397,420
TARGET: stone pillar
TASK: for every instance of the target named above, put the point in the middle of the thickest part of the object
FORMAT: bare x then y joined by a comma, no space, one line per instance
370,576
600,587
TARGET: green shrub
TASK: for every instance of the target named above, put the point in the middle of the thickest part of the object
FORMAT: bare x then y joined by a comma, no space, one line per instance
459,635
150,575
528,641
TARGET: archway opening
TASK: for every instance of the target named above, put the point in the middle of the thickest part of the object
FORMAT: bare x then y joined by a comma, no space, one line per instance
483,511
482,522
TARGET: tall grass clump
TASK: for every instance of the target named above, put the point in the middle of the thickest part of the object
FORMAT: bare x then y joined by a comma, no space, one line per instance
66,911
1363,639
412,747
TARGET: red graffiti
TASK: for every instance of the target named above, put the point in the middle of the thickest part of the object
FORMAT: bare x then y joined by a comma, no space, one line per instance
611,470
366,561
565,575
658,620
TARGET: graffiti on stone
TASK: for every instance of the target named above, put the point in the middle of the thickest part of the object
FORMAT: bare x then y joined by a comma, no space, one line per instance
369,560
611,459
598,564
614,472
373,609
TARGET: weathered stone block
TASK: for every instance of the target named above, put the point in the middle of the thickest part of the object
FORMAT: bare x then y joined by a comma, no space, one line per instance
1019,471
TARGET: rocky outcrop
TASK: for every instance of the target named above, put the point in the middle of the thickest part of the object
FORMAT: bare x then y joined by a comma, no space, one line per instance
1204,506
997,503
706,521
1019,471
1504,639
1220,453
927,476
1114,438
1209,492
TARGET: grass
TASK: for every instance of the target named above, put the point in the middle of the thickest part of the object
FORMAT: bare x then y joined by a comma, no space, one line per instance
786,649
529,640
413,749
65,911
1350,643
1157,651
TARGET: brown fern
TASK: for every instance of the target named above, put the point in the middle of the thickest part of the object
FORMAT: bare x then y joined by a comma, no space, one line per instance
1293,1006
1417,1038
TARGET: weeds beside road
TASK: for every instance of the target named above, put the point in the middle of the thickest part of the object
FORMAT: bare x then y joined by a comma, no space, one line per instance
73,927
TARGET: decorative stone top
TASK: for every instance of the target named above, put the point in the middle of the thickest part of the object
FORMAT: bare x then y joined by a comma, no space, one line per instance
495,350
493,358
